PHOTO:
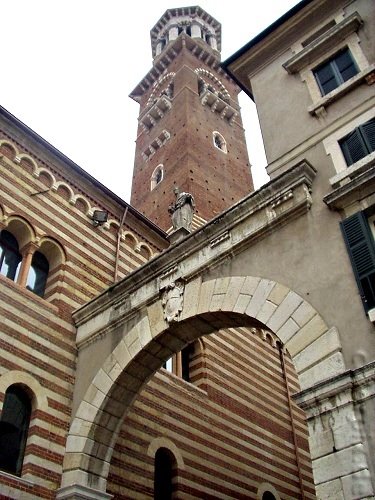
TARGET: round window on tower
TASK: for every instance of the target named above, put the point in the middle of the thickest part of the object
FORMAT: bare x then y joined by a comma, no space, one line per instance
219,141
157,176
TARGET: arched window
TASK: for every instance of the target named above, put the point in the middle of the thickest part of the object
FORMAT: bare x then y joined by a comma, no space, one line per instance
38,274
157,176
10,256
14,426
165,471
267,495
219,142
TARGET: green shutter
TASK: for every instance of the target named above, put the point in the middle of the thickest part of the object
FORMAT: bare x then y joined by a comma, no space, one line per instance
360,246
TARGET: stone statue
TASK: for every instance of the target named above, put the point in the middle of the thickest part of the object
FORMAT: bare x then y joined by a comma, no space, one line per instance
182,210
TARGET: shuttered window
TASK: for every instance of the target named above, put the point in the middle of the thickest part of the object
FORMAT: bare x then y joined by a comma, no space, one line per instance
335,72
361,249
359,143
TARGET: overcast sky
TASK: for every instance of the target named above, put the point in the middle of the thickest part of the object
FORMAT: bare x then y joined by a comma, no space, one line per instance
69,66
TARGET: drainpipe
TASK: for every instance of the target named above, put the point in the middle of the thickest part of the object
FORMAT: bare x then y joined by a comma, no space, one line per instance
118,244
298,459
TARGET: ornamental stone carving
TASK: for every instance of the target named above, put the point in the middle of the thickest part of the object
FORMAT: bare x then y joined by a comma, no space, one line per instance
172,301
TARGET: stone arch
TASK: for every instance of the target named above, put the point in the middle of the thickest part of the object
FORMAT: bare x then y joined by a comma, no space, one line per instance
160,85
21,378
163,442
21,229
219,87
27,160
44,173
147,340
144,250
61,187
8,149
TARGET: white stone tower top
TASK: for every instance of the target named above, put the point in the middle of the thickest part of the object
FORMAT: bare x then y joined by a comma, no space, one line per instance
193,21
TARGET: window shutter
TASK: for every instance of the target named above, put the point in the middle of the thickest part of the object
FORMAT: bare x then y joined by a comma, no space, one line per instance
353,147
368,133
360,246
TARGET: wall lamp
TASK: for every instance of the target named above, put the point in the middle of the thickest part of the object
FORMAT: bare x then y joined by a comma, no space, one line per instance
99,217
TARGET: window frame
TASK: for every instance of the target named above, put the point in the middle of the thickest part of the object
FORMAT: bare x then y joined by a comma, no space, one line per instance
360,244
361,134
336,72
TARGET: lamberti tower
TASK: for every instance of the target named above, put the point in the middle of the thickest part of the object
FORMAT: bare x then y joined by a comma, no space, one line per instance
190,132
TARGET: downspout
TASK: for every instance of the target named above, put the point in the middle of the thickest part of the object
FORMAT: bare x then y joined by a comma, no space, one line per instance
118,244
294,433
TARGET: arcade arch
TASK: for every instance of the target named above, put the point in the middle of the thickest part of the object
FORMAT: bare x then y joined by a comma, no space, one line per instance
146,340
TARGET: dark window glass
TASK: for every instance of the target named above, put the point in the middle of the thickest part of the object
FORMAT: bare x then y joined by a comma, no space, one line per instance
267,495
164,472
14,425
185,361
38,274
10,257
361,249
359,143
158,176
336,71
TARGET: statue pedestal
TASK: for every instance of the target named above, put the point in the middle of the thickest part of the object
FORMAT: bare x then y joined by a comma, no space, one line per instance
178,234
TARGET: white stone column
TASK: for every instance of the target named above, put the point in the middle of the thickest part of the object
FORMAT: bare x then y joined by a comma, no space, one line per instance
339,446
213,42
196,31
173,33
159,47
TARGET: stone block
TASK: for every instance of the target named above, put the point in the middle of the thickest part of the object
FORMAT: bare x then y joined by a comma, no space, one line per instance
306,336
303,314
144,331
156,318
232,293
241,303
191,296
284,311
331,489
321,348
260,296
206,292
122,354
266,312
278,294
358,485
250,285
287,331
341,463
329,367
102,381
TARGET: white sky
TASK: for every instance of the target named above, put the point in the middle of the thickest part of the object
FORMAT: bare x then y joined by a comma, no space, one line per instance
68,67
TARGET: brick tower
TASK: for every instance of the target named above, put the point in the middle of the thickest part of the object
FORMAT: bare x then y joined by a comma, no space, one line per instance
190,132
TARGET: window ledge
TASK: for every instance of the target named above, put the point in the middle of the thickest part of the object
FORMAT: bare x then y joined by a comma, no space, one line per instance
353,171
318,107
19,479
323,43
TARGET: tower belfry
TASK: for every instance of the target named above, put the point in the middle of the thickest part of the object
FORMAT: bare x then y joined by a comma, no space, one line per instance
190,132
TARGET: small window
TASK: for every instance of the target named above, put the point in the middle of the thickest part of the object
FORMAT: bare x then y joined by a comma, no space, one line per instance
359,143
219,142
165,472
168,365
10,257
157,176
38,274
335,71
14,426
267,495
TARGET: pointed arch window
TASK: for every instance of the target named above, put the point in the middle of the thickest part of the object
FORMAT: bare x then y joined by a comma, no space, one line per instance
157,176
165,474
14,426
10,257
219,142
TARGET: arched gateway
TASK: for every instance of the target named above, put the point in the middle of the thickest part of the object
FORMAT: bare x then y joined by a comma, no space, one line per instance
201,284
